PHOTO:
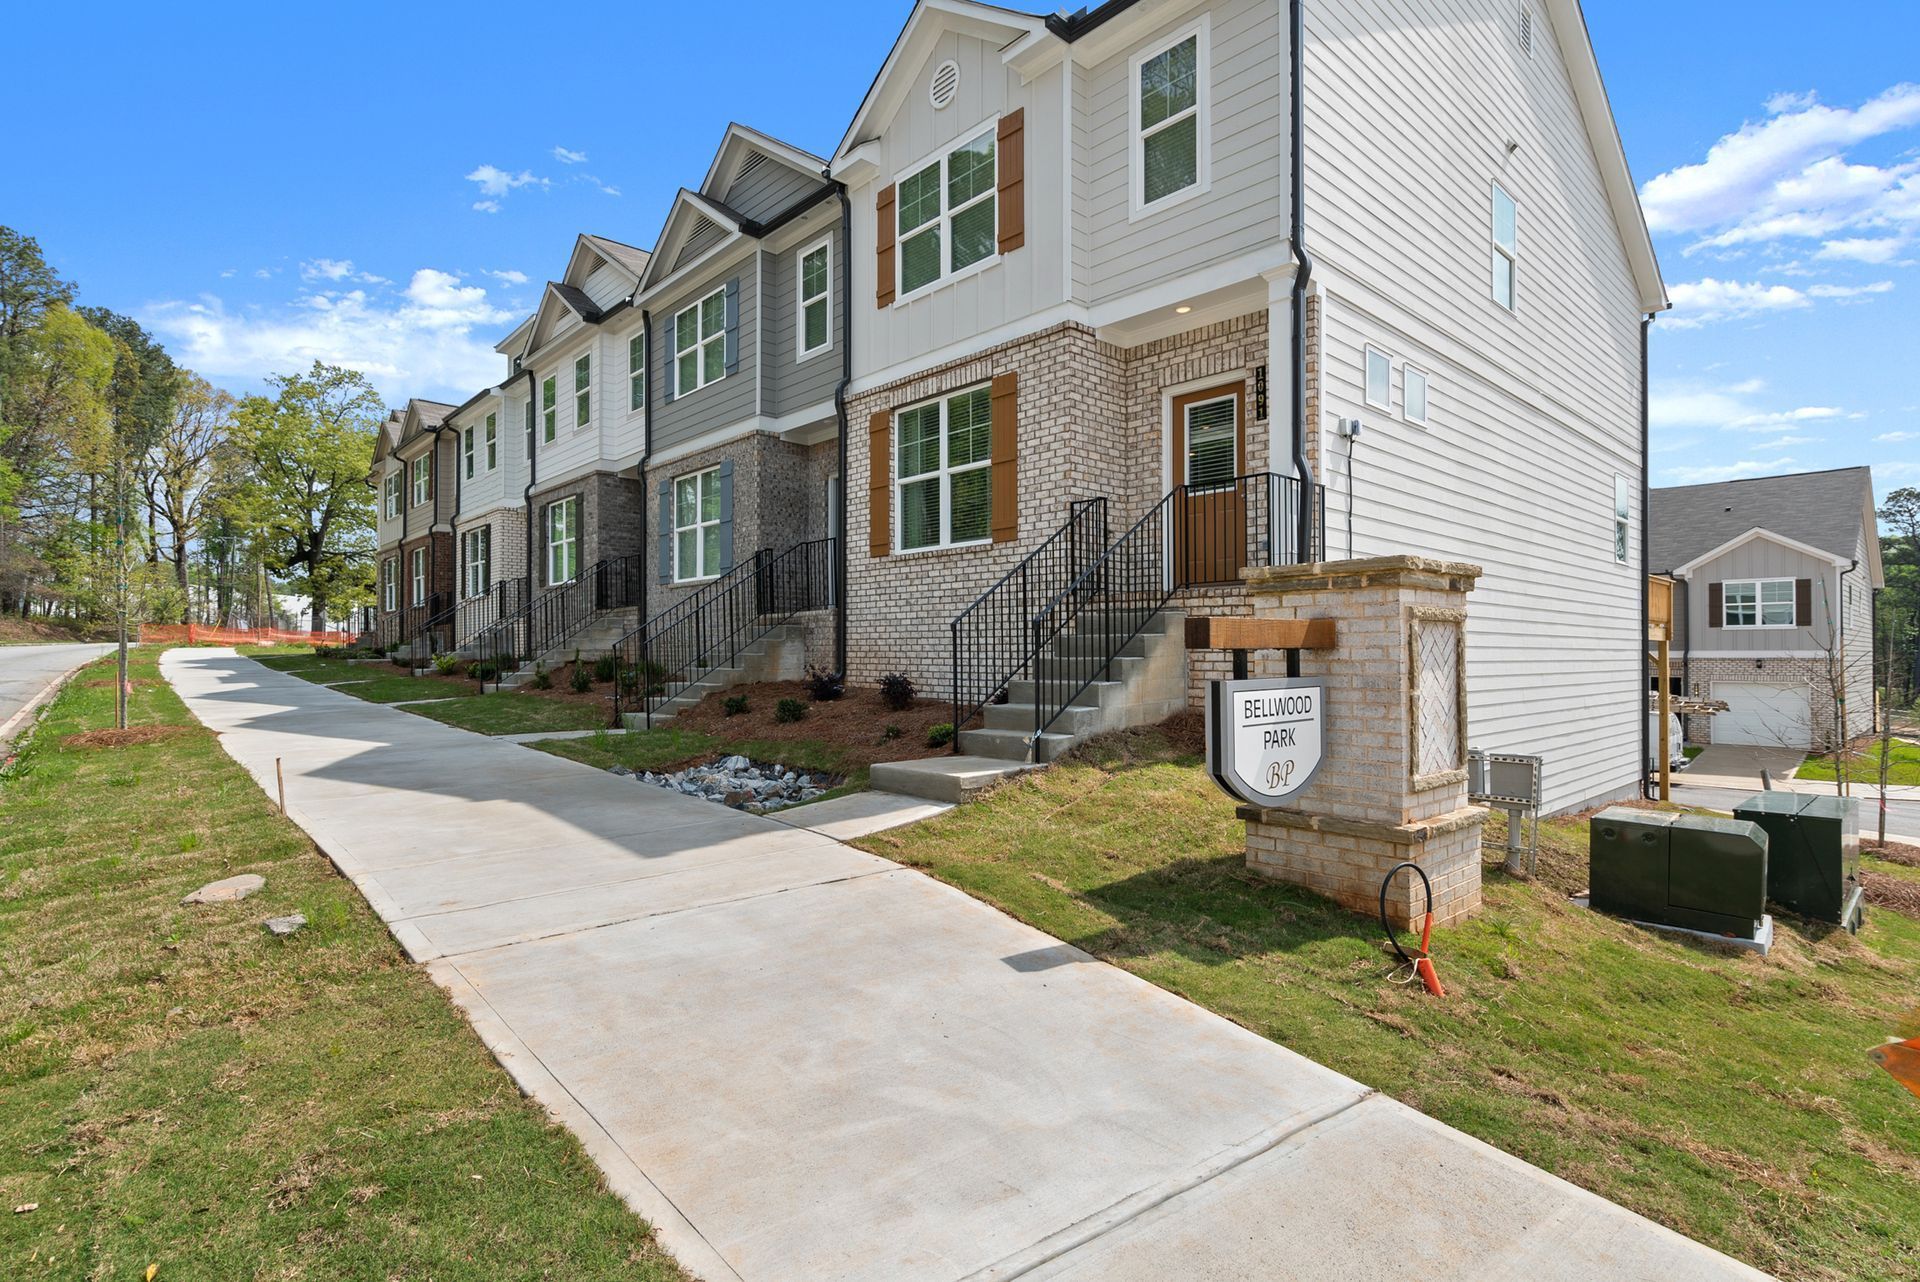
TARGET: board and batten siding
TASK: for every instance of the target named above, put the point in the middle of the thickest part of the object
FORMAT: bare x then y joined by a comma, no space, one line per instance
790,385
716,406
770,189
1762,559
1018,284
1244,208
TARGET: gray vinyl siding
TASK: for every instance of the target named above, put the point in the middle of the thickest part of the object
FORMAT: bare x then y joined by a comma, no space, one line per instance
717,405
790,386
1245,206
702,239
1761,559
769,189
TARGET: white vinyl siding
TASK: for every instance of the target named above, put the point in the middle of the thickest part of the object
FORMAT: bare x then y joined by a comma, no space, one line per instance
943,474
422,479
696,526
419,568
1506,247
813,317
582,390
947,214
637,372
549,413
1171,130
477,556
563,541
1757,603
700,344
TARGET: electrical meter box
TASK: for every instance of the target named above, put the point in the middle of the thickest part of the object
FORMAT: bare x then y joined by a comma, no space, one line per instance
1813,853
1690,871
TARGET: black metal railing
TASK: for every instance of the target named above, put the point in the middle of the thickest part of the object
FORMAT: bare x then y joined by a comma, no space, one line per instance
1195,536
384,634
553,617
459,623
997,626
677,648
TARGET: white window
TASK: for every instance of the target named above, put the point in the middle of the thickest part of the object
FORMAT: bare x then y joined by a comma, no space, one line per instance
1379,378
696,526
419,576
1506,247
1171,131
637,372
948,216
422,479
477,553
1622,516
583,390
393,495
943,471
549,416
1757,603
563,541
1413,394
700,344
493,441
466,450
812,323
390,584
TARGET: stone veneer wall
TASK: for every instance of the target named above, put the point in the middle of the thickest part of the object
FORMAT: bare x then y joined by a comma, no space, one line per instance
612,516
1812,673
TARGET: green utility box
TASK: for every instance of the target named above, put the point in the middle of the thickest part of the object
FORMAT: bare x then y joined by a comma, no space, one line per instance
1690,871
1813,853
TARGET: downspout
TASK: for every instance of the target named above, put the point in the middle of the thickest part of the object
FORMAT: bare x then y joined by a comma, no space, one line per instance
526,494
1647,788
840,412
1303,273
646,453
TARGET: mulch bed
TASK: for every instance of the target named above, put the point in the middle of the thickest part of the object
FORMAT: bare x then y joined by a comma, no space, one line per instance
1893,852
855,723
1897,893
562,691
127,738
138,683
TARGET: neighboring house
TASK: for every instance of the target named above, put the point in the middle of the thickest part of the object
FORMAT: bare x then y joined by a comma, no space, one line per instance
1774,583
413,467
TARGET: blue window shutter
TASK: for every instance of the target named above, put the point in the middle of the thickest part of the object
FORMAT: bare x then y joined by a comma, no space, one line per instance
733,324
726,508
666,531
670,366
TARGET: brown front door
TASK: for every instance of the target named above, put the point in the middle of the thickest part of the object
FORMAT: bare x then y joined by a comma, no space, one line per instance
1209,511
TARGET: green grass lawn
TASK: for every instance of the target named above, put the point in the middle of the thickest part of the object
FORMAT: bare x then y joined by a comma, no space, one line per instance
1727,1096
510,712
374,682
1903,765
179,1088
671,747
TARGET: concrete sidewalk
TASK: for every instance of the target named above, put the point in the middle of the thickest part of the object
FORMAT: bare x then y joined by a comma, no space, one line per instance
800,1061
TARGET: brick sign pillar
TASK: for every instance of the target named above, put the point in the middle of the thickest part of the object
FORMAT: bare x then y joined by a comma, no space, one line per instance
1392,784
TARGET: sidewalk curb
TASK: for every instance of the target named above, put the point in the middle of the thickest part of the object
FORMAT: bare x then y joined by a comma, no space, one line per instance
33,706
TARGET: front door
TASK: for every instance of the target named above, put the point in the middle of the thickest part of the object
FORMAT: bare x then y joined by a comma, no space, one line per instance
1209,511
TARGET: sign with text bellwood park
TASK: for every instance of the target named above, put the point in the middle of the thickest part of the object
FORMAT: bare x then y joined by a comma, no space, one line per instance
1264,737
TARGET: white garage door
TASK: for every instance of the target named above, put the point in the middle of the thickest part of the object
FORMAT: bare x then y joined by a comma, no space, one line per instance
1771,716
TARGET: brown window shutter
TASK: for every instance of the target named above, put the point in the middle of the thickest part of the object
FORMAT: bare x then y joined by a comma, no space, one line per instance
884,229
880,484
1006,457
1716,611
1803,603
1012,151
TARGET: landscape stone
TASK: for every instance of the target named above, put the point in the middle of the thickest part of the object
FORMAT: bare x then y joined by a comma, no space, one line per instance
285,925
228,890
737,782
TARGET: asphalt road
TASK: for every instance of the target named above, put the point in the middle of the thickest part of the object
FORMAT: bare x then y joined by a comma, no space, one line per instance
26,670
1903,817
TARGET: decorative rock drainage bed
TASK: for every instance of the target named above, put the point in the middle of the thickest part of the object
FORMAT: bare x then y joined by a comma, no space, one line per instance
739,783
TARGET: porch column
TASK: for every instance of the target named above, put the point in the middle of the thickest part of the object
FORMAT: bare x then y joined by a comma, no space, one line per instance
1392,784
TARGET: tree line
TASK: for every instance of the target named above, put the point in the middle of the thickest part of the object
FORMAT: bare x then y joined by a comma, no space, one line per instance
127,481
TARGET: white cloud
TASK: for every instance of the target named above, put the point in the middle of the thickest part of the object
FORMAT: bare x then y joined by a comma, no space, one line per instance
1786,442
487,206
567,156
1702,302
433,338
263,273
1728,471
1732,408
1895,438
508,277
1851,291
227,273
1787,176
495,182
1878,250
337,269
605,189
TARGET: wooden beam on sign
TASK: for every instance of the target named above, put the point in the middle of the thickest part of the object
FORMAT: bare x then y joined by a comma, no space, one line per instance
1205,632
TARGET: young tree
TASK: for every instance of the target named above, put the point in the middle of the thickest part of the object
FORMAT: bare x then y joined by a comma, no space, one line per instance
306,452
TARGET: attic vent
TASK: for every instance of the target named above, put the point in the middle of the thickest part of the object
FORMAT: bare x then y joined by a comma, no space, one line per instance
944,85
702,225
1526,30
752,163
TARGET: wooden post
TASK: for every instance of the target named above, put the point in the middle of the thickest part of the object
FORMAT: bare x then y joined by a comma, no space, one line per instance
1666,709
280,778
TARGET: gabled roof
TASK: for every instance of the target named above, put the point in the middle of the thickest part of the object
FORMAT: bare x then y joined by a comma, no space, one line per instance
738,143
689,207
1822,512
590,251
421,416
630,257
515,343
388,437
928,21
558,297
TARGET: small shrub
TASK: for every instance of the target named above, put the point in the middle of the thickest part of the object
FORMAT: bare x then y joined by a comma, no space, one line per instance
446,664
401,659
582,675
896,691
825,687
736,704
483,671
542,679
891,732
788,711
605,667
941,735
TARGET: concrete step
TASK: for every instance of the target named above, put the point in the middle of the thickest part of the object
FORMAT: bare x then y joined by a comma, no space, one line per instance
1093,644
1101,694
1077,719
950,779
1013,745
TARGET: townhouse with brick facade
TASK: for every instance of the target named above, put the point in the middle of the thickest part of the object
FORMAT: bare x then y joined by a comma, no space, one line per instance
413,466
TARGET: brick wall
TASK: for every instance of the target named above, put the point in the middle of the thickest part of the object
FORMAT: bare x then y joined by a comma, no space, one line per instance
612,517
1810,674
440,578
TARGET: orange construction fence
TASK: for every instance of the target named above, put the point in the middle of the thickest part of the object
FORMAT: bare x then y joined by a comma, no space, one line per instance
206,634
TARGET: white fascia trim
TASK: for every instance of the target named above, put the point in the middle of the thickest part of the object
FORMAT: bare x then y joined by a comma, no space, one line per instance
733,244
780,426
786,152
1817,554
1256,264
972,345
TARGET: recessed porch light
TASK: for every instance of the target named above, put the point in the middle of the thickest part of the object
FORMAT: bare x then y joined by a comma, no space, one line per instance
1183,309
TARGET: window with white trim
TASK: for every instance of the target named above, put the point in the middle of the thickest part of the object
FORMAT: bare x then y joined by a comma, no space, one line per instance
466,451
419,576
700,343
948,213
1379,378
1506,247
393,494
1413,394
390,584
477,556
422,479
549,415
493,441
1757,603
943,471
637,372
696,526
1170,125
583,389
813,316
1622,516
563,541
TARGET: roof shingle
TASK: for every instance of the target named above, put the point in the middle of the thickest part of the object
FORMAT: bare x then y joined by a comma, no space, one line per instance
1820,509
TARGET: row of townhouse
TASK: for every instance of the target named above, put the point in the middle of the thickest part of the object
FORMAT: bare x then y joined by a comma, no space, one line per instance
1084,315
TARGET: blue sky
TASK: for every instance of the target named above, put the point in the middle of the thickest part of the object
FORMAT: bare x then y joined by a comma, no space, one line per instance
387,185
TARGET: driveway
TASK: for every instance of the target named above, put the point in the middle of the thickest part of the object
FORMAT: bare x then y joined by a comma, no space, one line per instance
1731,765
801,1062
29,672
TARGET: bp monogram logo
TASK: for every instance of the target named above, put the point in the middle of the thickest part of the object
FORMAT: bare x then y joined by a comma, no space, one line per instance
1264,737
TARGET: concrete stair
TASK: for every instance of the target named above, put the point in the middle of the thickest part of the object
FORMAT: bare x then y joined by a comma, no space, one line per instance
779,654
598,637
